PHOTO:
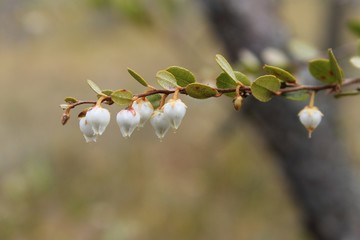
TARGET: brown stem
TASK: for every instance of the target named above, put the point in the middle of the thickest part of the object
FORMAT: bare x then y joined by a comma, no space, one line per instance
320,88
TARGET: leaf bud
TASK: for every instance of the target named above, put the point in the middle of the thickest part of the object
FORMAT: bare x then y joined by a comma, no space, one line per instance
175,110
64,118
127,119
98,118
310,117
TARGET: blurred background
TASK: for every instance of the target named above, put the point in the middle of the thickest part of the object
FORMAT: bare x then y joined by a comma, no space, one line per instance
212,179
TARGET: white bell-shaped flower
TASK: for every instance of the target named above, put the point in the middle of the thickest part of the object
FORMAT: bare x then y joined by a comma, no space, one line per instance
175,110
98,118
144,108
160,122
127,119
87,130
310,117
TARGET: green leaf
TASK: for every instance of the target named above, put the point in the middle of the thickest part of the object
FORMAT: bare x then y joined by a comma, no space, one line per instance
354,26
166,79
183,76
320,69
225,66
137,77
224,81
242,78
200,91
280,73
301,95
95,87
155,100
122,97
335,67
107,92
264,87
347,94
70,100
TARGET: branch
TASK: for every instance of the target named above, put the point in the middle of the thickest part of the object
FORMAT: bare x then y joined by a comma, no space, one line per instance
242,89
346,82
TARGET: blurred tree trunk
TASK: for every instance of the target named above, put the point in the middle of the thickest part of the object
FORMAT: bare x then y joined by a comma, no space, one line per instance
318,171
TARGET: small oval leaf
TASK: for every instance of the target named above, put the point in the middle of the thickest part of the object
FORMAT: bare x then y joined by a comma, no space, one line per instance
301,95
107,92
166,80
335,67
200,91
95,87
280,73
320,69
122,97
242,78
264,87
70,100
182,75
225,66
224,81
155,100
347,94
137,77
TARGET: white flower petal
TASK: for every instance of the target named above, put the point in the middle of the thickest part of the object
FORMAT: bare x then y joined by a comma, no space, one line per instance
175,110
310,117
98,118
128,120
87,130
145,109
160,122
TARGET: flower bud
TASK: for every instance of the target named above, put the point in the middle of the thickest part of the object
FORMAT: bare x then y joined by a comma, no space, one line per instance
237,102
127,119
310,117
98,118
175,110
144,108
87,130
160,122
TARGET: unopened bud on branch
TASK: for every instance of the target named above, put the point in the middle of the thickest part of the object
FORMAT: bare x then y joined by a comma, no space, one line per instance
237,102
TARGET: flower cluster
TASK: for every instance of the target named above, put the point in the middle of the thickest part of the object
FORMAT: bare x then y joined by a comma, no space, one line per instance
96,119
